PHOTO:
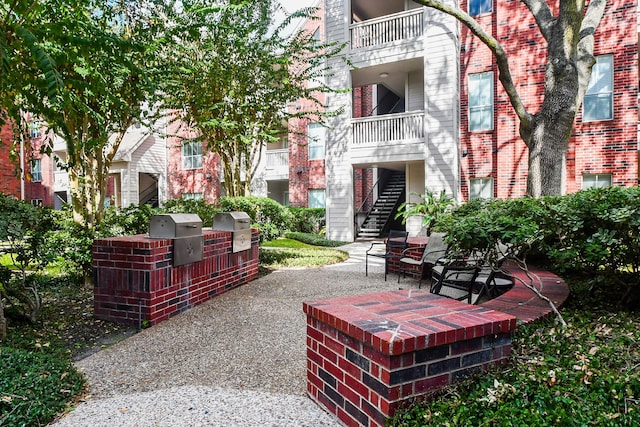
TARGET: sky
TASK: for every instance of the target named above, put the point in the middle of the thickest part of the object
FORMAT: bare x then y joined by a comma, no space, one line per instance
293,5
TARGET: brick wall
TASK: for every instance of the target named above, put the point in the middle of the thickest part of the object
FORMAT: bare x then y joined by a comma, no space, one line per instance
9,181
597,147
369,354
134,275
205,180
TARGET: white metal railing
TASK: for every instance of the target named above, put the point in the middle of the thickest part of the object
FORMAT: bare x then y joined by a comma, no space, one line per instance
278,159
390,28
389,127
60,181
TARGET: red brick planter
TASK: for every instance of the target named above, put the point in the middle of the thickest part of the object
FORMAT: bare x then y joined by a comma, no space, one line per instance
367,354
135,279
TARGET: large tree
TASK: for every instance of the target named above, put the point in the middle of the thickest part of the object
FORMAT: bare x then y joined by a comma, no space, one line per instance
82,67
234,71
569,37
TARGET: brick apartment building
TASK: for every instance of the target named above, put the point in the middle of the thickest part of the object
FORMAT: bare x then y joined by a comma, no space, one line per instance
425,111
440,118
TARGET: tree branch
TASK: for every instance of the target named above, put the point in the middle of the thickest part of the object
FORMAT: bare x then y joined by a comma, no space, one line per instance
495,47
592,18
542,14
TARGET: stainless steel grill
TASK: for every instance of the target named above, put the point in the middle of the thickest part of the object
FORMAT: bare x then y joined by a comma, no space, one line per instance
186,232
240,226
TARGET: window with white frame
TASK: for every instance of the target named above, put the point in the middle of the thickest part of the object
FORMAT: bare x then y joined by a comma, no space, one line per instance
481,101
35,129
285,197
191,155
36,170
481,188
598,101
596,180
316,137
317,199
476,7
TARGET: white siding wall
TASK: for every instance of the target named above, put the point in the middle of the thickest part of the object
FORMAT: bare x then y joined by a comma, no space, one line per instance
339,173
441,65
415,91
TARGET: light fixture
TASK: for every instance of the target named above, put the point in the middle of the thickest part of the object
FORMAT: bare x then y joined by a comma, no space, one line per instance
384,75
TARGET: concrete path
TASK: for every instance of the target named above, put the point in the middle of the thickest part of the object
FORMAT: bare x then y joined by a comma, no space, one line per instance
236,360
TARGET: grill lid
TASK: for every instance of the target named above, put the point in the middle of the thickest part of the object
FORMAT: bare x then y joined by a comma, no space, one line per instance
231,221
171,226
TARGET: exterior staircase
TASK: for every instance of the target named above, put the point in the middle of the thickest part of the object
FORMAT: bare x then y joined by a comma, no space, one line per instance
377,221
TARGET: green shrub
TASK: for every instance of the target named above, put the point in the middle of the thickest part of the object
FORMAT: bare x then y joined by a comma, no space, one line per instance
595,232
269,216
313,239
126,221
204,210
35,386
308,220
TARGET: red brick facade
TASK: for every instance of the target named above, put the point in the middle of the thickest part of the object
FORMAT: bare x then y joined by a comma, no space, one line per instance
609,146
9,178
37,189
181,181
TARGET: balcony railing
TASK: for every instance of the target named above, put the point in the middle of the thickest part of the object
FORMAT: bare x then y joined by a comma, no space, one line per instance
390,28
391,127
278,159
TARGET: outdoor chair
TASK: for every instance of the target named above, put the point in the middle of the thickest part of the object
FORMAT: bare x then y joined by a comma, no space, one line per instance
390,249
433,253
456,281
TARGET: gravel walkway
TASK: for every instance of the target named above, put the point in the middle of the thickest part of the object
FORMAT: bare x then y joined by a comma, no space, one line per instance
236,360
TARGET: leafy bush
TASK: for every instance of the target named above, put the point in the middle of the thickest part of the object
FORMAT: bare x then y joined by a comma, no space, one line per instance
35,386
583,375
313,239
595,232
204,210
308,220
430,208
71,242
127,221
269,216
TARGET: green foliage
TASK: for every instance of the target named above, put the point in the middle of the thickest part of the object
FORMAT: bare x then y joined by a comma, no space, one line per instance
269,216
300,257
232,73
430,208
71,242
204,210
308,220
313,239
594,232
126,221
22,229
585,374
35,385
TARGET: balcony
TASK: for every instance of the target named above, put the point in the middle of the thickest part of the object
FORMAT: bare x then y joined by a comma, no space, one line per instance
277,164
391,137
388,29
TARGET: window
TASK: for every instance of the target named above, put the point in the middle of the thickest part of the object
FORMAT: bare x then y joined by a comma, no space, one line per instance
35,129
191,155
480,188
285,197
36,170
481,101
476,7
316,198
598,180
598,101
315,135
192,196
36,202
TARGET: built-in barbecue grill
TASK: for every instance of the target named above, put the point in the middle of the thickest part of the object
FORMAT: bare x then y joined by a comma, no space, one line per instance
186,232
240,226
